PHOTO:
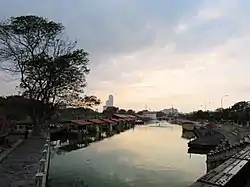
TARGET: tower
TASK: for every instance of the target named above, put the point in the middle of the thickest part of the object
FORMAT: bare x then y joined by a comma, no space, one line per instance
111,100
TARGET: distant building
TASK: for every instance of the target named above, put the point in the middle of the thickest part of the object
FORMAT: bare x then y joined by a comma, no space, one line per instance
170,111
150,115
109,102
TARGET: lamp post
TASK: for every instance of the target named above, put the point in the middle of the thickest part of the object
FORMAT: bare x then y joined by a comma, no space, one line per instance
221,100
206,104
201,107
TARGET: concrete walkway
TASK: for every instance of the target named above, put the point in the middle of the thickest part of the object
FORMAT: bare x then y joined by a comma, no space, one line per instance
20,167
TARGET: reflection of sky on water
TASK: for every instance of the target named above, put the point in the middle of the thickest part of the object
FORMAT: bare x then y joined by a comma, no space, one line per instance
144,156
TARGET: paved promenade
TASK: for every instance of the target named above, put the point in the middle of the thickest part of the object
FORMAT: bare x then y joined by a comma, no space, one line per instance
20,167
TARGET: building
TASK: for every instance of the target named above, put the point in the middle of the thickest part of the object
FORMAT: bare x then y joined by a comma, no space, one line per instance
150,115
109,102
170,111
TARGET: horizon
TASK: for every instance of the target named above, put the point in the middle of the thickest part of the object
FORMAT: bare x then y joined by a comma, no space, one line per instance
185,54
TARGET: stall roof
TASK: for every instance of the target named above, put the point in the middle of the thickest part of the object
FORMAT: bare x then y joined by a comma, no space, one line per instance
115,120
81,122
124,116
96,121
128,119
108,120
132,116
24,122
120,116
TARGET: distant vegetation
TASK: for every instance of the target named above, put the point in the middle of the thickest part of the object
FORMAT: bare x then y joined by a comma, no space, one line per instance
238,113
112,110
18,108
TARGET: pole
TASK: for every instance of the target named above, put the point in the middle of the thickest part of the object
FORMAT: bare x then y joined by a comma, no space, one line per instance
221,100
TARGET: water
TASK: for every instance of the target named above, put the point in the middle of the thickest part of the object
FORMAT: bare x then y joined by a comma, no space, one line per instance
144,157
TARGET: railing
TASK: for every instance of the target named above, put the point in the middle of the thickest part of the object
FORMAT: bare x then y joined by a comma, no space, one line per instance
43,169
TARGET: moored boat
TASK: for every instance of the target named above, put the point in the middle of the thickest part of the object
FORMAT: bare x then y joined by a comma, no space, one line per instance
139,121
188,126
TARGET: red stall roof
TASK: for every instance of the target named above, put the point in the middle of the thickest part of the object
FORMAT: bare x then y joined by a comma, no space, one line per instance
128,119
96,121
115,120
81,122
108,120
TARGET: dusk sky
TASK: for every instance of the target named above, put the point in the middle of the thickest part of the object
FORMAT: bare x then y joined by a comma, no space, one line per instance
157,53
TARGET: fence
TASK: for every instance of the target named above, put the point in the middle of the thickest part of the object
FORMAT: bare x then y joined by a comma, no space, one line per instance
43,169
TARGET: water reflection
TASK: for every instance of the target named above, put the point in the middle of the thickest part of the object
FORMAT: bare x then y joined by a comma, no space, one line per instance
145,156
189,135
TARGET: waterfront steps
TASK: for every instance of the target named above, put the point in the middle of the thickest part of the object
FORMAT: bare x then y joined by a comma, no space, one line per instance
223,151
233,172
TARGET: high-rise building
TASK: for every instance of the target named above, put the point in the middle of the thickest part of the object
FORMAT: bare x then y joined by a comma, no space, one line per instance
109,102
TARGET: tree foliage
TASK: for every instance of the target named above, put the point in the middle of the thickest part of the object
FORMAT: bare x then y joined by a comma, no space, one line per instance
238,113
109,111
122,111
160,114
130,111
75,113
141,112
88,101
52,72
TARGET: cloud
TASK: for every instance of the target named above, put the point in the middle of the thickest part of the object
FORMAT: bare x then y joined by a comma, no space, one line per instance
155,52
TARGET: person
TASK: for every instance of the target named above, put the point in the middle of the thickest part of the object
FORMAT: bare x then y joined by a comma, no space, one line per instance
26,133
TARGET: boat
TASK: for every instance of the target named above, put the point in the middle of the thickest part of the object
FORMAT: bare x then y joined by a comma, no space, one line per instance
139,121
188,135
188,126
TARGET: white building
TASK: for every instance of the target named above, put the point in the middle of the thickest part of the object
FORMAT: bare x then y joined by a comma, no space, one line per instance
109,102
170,111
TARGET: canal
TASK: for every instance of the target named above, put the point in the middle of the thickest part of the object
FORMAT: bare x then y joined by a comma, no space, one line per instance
148,156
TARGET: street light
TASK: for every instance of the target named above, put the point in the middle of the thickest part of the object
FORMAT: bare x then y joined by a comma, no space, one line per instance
221,100
206,105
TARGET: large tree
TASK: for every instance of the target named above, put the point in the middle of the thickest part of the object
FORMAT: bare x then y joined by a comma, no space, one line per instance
110,111
52,71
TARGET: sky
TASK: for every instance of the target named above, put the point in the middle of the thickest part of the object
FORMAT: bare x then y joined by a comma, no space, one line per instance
155,53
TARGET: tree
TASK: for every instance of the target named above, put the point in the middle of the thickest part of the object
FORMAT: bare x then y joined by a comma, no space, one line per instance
110,111
160,114
141,112
238,113
131,112
122,111
52,72
88,101
15,107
